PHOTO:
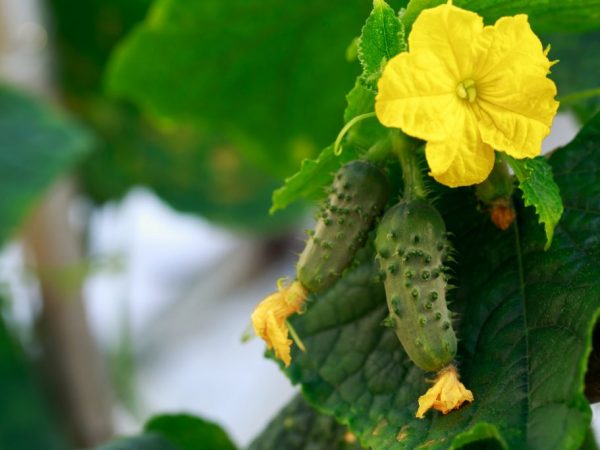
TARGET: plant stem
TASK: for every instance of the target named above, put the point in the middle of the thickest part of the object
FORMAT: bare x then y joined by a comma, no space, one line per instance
405,149
379,152
499,183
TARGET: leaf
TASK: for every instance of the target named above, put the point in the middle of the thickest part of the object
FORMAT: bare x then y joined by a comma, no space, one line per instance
590,441
175,432
539,190
298,427
592,376
577,70
143,442
192,173
190,433
254,71
39,144
526,324
22,408
84,34
364,134
544,15
312,178
381,39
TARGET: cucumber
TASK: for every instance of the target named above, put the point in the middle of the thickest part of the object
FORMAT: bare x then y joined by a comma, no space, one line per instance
411,245
358,195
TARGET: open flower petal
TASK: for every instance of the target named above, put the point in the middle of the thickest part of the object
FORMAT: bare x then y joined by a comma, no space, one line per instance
518,129
269,318
416,95
515,97
509,45
450,33
463,158
278,338
498,73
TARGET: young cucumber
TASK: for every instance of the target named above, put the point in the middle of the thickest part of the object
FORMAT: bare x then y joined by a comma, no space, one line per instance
411,243
358,195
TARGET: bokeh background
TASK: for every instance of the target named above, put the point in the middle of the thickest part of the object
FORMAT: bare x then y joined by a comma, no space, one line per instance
136,246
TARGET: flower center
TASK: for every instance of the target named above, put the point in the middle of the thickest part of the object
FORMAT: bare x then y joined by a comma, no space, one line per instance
466,90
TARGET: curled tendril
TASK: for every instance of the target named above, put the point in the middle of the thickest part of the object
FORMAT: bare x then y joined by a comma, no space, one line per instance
337,146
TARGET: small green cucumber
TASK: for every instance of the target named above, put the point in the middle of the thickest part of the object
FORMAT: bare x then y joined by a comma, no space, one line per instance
358,195
411,244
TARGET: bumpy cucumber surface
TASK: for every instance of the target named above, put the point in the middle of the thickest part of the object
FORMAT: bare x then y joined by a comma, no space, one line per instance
358,195
411,244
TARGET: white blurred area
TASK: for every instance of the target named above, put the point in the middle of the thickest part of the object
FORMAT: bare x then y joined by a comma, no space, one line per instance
185,295
177,292
171,292
180,296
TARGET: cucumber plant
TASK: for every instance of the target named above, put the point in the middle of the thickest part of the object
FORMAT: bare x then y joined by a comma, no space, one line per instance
527,314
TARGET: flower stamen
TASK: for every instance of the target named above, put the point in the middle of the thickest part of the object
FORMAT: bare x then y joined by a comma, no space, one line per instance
467,90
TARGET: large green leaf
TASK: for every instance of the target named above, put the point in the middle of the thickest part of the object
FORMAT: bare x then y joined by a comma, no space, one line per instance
143,442
192,173
299,427
526,325
190,433
381,38
545,15
85,34
25,420
256,71
577,70
312,178
38,144
175,432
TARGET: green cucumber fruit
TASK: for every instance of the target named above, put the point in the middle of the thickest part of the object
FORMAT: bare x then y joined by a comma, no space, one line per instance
358,195
411,245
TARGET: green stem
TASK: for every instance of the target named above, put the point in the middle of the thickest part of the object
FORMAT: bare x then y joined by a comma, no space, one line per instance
295,336
379,152
499,183
580,95
405,149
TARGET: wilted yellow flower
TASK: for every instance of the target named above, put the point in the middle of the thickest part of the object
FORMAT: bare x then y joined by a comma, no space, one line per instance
447,393
269,317
468,89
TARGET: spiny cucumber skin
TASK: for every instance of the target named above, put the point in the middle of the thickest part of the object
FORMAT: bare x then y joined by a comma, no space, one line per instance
358,195
411,244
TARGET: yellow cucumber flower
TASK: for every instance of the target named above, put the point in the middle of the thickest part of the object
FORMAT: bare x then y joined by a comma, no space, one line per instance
468,89
447,393
270,316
